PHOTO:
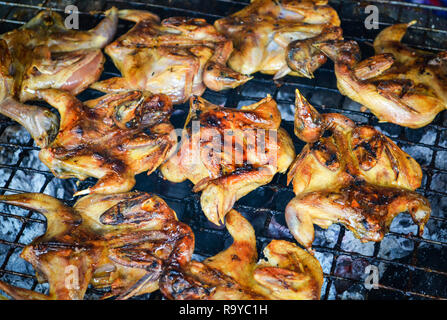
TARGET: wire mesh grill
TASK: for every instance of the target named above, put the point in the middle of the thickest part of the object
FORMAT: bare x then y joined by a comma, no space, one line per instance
410,267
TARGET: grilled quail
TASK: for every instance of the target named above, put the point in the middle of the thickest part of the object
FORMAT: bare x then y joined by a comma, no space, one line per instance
112,138
276,37
119,241
178,57
228,153
355,176
399,84
43,54
236,274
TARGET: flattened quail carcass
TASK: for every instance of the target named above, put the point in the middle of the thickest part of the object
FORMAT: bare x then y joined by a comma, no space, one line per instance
43,54
118,241
178,56
399,84
228,153
276,37
289,272
352,175
112,138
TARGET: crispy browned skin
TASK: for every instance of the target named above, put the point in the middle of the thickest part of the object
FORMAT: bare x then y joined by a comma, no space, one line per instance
178,57
236,274
276,36
401,85
221,152
119,241
48,29
111,138
356,176
44,54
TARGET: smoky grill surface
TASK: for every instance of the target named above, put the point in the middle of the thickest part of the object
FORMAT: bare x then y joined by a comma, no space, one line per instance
409,267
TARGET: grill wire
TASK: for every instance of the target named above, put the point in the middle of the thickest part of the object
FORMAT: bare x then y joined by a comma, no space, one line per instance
409,267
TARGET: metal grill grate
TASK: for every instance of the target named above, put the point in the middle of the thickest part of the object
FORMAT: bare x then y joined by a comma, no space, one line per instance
410,267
